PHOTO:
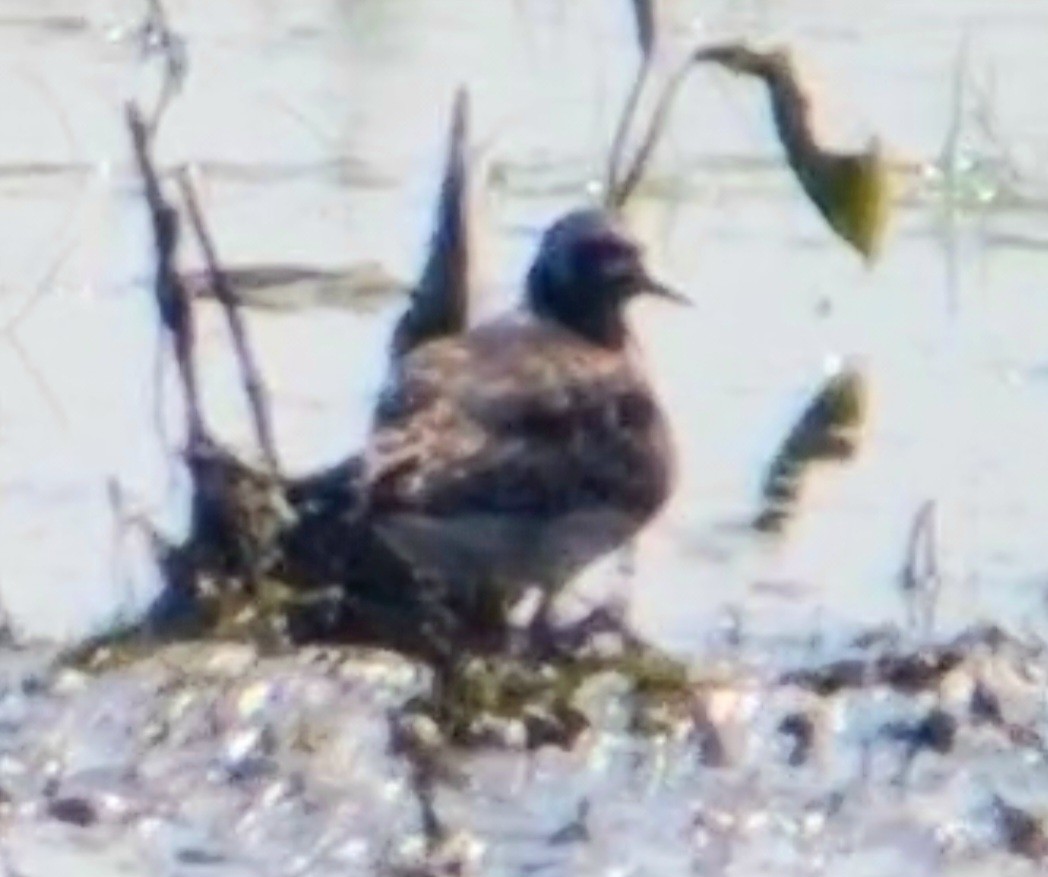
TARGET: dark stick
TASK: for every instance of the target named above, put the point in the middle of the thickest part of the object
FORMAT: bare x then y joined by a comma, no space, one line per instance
253,385
920,578
644,18
171,298
619,194
644,15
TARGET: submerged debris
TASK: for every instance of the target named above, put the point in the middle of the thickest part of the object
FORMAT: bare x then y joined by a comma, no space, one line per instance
276,287
921,578
905,671
828,430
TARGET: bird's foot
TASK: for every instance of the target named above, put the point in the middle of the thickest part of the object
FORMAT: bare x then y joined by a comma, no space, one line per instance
544,640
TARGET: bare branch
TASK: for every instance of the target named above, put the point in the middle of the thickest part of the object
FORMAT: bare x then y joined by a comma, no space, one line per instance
644,16
620,193
253,385
171,298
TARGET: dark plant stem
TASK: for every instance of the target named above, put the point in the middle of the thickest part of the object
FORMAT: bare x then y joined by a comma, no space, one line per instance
253,385
171,299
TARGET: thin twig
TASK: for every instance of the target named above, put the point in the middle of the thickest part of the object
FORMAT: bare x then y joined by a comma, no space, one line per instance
171,298
644,14
625,187
253,385
921,578
37,377
42,287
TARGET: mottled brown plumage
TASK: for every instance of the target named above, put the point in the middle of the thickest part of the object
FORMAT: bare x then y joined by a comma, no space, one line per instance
520,451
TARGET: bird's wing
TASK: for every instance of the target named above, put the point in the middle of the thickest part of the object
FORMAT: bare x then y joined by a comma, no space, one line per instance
513,422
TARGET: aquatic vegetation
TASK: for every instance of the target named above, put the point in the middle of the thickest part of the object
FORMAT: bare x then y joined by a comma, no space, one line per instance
440,301
828,430
852,190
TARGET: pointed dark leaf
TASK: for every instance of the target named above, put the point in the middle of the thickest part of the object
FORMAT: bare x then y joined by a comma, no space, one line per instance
440,301
644,16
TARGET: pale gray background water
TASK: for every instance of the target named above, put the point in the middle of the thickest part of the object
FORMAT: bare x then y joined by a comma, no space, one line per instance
315,130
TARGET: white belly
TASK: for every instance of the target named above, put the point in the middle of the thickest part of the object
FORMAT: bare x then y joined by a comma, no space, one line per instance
480,552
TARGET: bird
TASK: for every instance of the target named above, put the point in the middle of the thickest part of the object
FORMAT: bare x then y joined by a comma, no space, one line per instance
509,456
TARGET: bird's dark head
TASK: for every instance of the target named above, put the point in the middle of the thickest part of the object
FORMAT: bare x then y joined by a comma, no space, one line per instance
587,267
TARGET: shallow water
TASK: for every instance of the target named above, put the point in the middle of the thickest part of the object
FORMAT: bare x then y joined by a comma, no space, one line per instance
314,131
286,122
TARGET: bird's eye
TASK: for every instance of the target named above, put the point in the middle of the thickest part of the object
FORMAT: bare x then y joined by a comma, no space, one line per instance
609,248
603,253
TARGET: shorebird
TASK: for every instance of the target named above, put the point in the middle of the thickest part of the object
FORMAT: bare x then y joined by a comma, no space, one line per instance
512,455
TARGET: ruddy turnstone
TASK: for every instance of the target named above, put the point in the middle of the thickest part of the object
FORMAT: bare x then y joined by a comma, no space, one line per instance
514,454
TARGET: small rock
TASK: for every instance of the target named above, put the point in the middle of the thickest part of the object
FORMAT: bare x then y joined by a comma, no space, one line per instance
561,727
458,853
985,705
415,735
197,856
937,731
73,810
253,699
1022,831
230,660
498,732
246,753
800,728
68,681
576,831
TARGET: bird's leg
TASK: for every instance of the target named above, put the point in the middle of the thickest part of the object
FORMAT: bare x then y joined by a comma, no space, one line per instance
625,574
530,623
611,615
541,634
607,618
547,640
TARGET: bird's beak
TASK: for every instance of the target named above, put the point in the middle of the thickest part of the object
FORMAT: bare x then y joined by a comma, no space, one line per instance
657,288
